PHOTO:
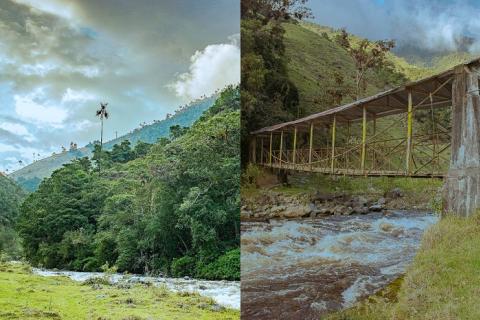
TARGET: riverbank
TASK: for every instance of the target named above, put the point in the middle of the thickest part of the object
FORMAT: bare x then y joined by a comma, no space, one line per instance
24,295
313,195
442,283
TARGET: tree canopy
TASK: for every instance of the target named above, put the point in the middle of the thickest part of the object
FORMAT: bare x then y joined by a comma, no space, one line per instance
170,207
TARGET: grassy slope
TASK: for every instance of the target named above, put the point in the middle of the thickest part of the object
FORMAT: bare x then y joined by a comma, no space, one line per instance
313,59
27,296
150,133
442,283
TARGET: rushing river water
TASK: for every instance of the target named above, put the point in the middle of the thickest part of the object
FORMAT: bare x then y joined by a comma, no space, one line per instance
301,269
226,293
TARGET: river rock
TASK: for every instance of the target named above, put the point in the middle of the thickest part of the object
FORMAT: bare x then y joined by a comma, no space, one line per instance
339,210
394,193
217,308
296,212
360,210
376,207
321,197
277,208
324,211
382,201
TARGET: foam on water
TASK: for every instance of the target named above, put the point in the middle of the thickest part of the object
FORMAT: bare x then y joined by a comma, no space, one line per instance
226,293
361,253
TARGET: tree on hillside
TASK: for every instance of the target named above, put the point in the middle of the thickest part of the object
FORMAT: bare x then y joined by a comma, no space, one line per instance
102,113
275,9
367,55
268,95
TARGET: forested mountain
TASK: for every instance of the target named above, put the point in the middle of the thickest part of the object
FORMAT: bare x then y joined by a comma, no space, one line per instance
30,176
292,68
171,206
11,197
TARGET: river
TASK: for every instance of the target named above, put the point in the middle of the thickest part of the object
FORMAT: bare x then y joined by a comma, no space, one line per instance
301,269
225,293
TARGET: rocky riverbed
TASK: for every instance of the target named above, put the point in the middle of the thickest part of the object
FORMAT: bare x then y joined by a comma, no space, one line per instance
225,293
271,205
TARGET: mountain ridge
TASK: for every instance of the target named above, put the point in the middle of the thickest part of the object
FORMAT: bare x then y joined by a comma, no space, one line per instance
30,176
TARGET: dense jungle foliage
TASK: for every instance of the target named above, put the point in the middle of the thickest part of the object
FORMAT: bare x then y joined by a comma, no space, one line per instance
11,197
169,207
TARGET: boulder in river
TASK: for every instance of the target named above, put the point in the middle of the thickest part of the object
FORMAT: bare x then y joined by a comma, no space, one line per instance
376,207
394,193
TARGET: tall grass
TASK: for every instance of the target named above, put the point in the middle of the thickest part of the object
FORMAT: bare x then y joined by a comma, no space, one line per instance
442,283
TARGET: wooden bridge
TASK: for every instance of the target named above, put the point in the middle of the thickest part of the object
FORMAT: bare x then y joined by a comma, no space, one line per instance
399,132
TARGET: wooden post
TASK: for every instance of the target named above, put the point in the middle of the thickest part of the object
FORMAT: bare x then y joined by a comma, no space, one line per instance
334,125
373,149
364,137
295,145
310,145
281,147
261,153
270,153
409,134
254,149
347,158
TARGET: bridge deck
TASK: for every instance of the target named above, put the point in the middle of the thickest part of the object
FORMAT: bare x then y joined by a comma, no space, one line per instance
353,172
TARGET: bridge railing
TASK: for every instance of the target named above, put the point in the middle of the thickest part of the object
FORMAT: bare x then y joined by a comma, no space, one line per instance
429,156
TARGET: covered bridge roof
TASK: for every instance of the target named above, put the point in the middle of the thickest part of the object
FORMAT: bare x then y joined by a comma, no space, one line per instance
390,102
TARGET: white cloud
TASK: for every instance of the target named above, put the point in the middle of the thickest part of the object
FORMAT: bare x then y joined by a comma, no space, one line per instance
27,108
49,6
71,95
212,68
17,129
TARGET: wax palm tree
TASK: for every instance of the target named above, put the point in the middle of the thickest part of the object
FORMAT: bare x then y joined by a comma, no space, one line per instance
102,113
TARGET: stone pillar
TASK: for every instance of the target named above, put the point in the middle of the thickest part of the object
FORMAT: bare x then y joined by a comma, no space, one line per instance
462,193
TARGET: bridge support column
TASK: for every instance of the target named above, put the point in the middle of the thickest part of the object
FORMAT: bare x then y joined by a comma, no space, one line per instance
261,153
294,146
254,149
334,124
310,142
364,138
409,134
462,192
281,148
270,152
374,156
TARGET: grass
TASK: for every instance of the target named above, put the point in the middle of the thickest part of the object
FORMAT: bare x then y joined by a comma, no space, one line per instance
442,283
312,62
27,296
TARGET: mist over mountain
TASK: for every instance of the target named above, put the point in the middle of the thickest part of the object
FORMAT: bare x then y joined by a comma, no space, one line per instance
423,30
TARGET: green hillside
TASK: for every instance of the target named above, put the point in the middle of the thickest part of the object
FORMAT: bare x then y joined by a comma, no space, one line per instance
11,197
316,62
29,177
172,208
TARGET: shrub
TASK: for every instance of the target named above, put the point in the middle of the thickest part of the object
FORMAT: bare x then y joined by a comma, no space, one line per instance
251,175
183,266
226,267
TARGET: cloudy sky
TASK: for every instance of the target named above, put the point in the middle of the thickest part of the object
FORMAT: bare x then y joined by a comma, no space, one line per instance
428,24
60,58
